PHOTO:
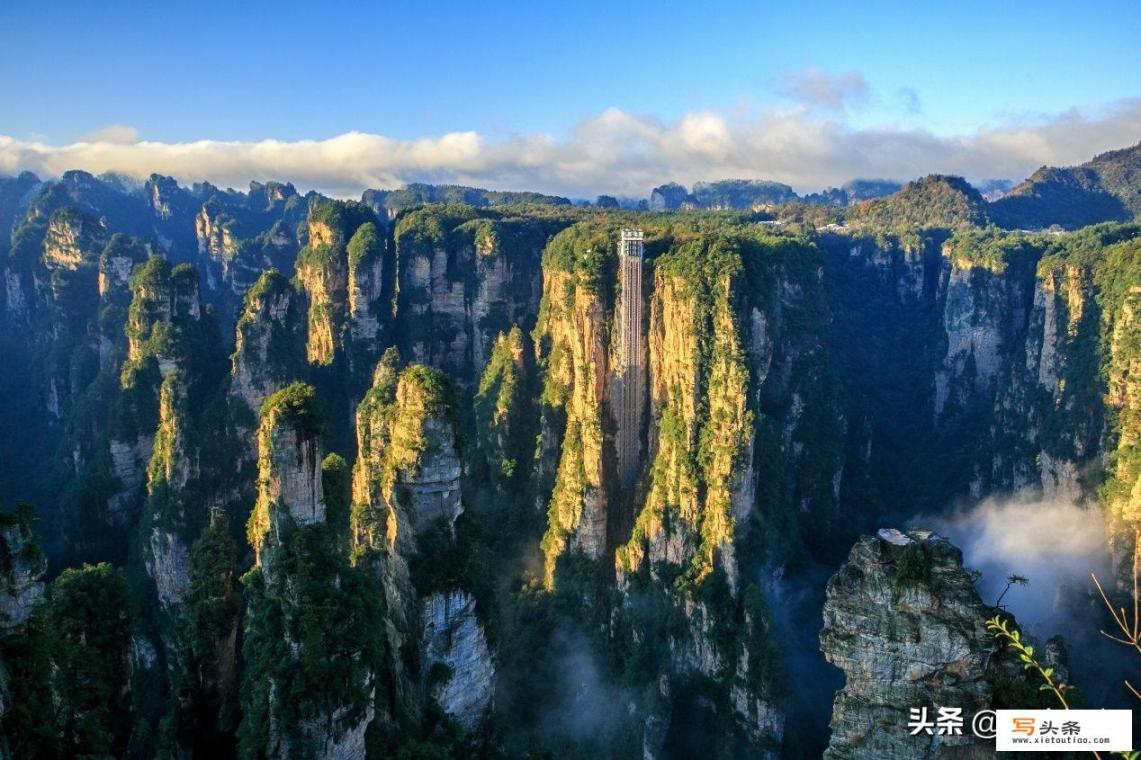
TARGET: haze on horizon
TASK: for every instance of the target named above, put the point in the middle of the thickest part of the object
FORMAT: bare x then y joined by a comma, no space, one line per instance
575,99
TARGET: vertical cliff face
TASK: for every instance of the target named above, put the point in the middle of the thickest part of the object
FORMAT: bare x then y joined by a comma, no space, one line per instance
737,335
237,237
1120,302
366,288
454,638
172,514
289,469
67,301
702,416
166,334
904,622
117,264
1125,400
312,633
737,332
1000,334
323,273
22,567
504,425
464,276
573,338
269,349
406,483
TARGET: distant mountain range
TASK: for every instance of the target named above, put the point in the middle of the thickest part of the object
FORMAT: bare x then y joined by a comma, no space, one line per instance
748,194
1105,189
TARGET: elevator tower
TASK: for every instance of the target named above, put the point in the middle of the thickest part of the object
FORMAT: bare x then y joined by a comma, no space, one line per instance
631,355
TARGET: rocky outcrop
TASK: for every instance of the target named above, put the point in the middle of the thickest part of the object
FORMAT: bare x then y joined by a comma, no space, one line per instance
289,469
366,288
73,240
734,351
323,274
464,276
165,334
904,622
269,350
240,236
172,512
453,639
162,298
978,319
573,336
22,567
721,339
312,636
408,465
504,423
407,481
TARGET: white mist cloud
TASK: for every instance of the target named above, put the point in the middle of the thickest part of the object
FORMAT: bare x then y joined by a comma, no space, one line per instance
614,152
816,88
1056,544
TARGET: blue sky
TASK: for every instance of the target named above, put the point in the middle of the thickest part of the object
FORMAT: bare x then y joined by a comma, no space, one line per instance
294,71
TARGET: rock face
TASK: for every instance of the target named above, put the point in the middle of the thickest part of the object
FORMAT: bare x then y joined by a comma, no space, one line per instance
165,334
453,637
407,481
22,566
903,621
408,465
366,288
504,425
574,333
464,276
237,237
1125,397
733,353
172,517
269,350
1001,334
290,491
316,664
323,274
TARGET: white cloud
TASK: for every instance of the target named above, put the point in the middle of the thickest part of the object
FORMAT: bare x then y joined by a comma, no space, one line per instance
815,88
615,152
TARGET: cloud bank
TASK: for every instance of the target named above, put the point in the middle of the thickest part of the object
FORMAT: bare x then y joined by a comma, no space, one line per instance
1055,543
806,145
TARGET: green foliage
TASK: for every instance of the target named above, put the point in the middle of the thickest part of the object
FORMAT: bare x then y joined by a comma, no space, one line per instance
420,231
741,193
203,711
913,568
1001,629
296,405
89,621
365,245
994,250
1102,190
587,251
313,642
505,436
417,194
449,557
431,385
336,485
933,201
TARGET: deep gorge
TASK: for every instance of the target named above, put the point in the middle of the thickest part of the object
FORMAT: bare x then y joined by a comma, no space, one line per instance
353,468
